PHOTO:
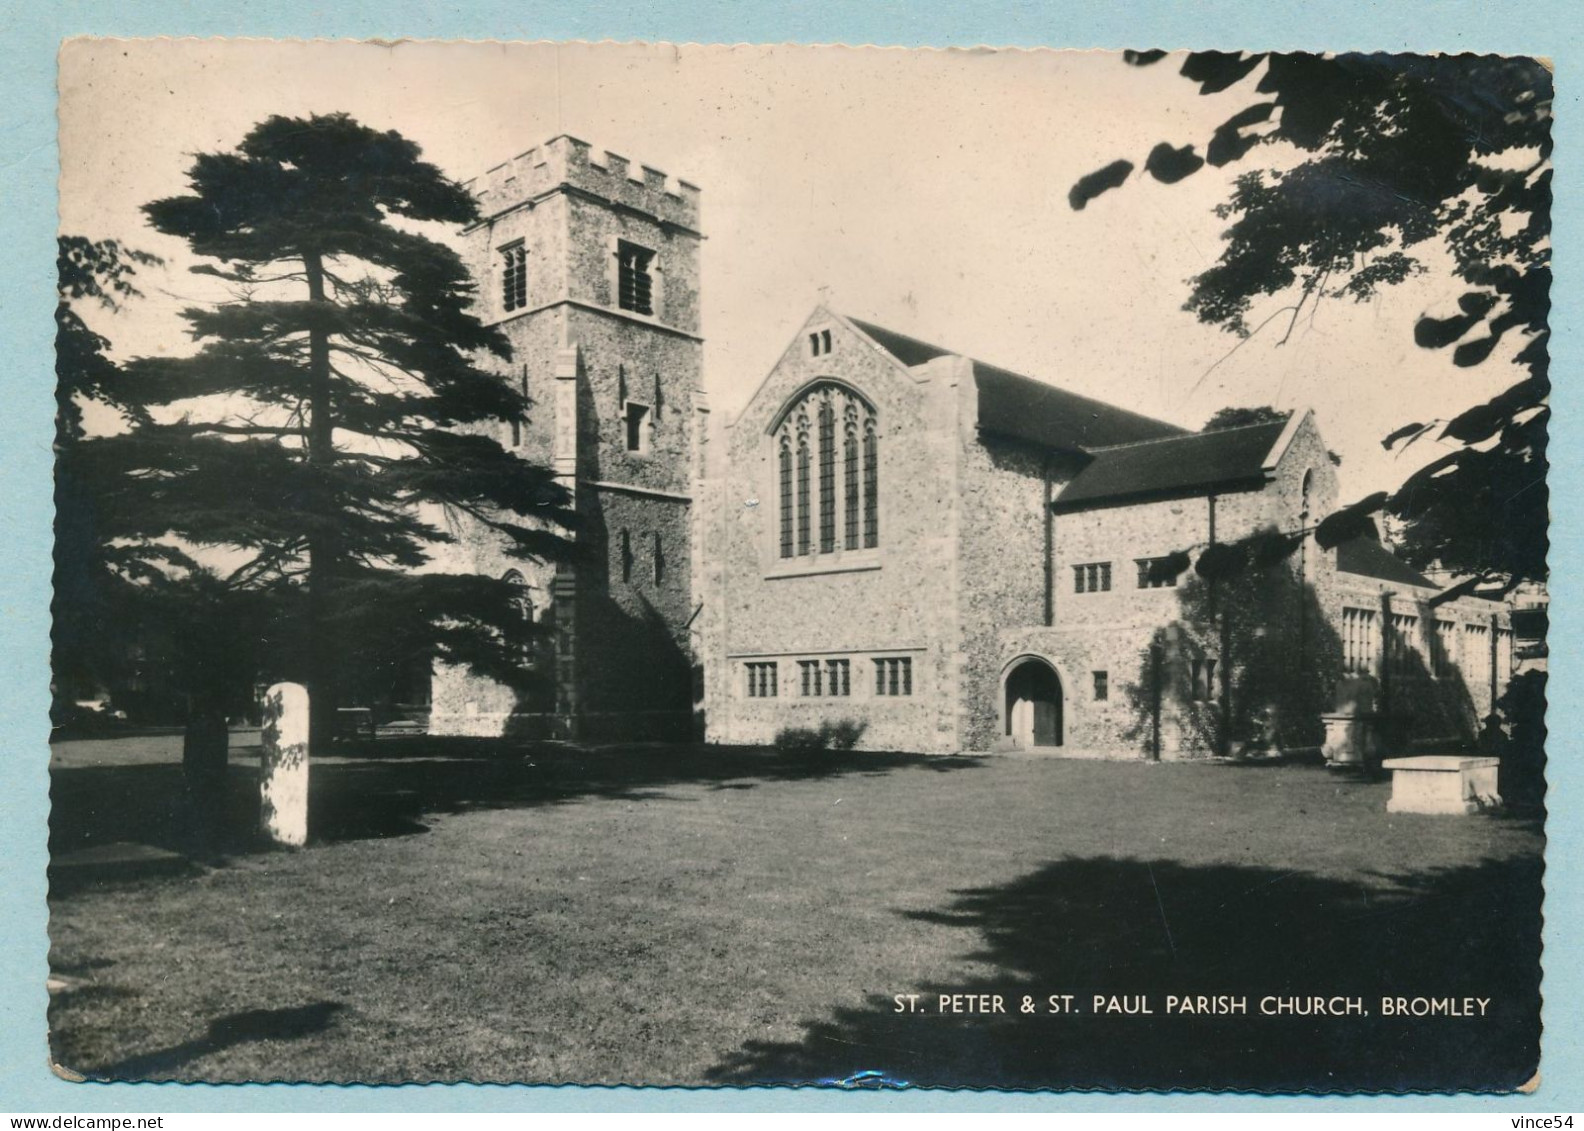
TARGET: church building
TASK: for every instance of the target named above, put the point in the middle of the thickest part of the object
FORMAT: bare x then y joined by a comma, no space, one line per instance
955,557
933,553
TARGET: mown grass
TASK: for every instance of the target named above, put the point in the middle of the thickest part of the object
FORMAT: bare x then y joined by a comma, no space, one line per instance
673,915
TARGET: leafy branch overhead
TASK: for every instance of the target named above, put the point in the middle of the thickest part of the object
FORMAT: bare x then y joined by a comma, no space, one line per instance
1380,165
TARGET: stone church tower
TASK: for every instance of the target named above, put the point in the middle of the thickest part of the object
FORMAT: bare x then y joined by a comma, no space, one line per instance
590,266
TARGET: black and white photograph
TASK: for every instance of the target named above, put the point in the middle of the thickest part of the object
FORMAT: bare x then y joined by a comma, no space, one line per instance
867,568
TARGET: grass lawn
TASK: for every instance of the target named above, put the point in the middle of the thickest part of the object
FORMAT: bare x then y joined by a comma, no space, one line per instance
676,915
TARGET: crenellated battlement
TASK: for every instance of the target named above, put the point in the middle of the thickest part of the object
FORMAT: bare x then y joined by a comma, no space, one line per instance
569,161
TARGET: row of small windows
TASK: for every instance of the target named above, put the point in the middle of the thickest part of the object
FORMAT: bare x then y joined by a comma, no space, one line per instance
808,433
826,679
657,556
634,277
1405,650
1095,577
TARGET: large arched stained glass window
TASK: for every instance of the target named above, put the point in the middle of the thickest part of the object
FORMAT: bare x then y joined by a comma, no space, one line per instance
827,434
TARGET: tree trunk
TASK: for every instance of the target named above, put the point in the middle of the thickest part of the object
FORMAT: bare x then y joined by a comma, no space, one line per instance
322,666
205,750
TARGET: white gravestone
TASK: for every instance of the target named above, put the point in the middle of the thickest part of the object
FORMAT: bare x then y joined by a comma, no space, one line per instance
283,777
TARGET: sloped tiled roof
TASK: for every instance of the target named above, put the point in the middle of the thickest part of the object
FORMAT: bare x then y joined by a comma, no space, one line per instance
1178,464
1368,558
1024,408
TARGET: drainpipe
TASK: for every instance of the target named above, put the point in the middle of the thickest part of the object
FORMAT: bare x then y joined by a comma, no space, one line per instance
1225,629
1495,679
1155,702
1050,549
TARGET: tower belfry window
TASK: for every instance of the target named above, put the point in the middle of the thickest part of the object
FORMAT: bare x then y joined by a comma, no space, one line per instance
634,283
514,277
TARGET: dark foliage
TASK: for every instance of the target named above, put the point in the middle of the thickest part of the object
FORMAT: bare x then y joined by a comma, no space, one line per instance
1398,155
1247,609
838,734
1521,710
1129,927
334,415
1238,417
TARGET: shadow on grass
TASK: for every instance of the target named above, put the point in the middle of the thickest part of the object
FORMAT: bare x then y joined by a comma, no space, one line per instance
1152,928
391,787
224,1032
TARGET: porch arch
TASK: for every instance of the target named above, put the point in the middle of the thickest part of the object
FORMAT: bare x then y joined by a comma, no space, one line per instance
1032,703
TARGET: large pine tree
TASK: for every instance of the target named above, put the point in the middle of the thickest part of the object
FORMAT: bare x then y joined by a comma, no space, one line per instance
335,410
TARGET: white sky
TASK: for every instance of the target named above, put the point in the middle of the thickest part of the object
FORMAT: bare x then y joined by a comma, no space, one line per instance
926,189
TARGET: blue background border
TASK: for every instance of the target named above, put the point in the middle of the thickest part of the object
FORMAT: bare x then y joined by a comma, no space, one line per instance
29,37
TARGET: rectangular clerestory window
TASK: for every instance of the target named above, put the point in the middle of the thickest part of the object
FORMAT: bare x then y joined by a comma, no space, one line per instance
1404,653
1360,641
810,676
514,276
1092,577
894,676
761,679
838,679
1102,686
634,283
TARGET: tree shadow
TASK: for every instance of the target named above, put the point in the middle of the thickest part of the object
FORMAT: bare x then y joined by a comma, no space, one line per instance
1153,928
248,1026
394,786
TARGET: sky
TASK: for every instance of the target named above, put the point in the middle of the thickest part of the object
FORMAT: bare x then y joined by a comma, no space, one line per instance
923,190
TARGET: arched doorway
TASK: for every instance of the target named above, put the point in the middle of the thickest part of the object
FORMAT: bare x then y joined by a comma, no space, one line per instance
1033,715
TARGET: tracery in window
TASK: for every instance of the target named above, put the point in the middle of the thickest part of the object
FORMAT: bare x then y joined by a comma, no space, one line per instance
844,505
827,475
803,484
787,507
850,460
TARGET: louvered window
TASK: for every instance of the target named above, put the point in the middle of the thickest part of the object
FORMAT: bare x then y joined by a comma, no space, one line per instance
635,285
514,277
